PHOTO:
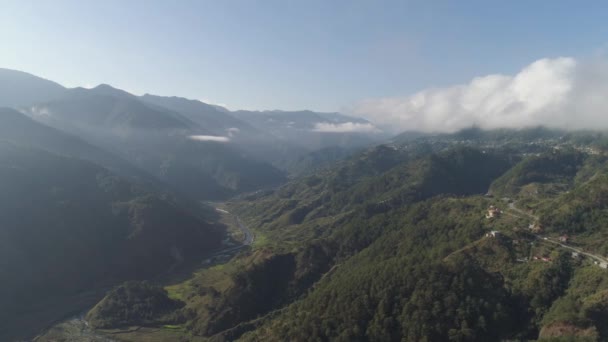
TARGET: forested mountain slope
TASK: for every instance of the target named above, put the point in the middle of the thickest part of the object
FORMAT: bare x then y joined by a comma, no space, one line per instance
68,225
396,243
315,224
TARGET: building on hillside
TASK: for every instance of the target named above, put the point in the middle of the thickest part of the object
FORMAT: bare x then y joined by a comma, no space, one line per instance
604,264
564,238
493,212
535,228
493,233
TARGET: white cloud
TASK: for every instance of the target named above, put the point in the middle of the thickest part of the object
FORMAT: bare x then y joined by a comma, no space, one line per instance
232,131
214,138
560,92
346,127
40,111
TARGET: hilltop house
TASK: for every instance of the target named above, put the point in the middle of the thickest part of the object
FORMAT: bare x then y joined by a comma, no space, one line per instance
493,212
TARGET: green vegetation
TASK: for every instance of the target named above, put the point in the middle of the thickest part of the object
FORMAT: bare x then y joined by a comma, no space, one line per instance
393,244
134,303
556,168
70,226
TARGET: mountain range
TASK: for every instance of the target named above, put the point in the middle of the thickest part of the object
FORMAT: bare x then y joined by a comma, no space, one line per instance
180,141
100,186
165,218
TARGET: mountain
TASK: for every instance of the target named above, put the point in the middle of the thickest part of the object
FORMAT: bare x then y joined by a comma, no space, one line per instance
109,111
70,225
312,130
547,172
216,120
122,123
319,159
20,129
158,141
256,142
21,89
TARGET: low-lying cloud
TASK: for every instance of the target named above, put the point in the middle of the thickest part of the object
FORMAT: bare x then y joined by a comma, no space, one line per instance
559,92
214,138
232,131
346,127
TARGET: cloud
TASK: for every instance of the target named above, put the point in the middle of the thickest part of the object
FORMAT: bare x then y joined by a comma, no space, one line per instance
346,127
39,111
560,92
232,131
214,138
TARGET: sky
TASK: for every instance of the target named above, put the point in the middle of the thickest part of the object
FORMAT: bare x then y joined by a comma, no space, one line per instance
369,58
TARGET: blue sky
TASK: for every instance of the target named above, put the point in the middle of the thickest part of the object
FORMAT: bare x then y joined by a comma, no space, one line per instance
321,55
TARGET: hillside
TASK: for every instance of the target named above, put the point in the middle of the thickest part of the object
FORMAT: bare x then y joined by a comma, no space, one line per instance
376,181
554,171
69,225
22,130
393,264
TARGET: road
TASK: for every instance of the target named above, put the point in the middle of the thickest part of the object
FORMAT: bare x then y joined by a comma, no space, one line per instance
595,257
247,233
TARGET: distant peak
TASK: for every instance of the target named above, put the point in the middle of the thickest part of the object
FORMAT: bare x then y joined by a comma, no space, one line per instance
104,86
107,89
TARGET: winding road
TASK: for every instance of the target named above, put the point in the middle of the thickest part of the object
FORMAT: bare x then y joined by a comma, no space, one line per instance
598,258
595,257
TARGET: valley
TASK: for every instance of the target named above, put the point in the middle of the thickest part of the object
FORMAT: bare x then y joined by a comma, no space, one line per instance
303,171
77,327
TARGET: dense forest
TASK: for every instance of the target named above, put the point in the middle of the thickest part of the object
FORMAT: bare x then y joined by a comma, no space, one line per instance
394,244
70,225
